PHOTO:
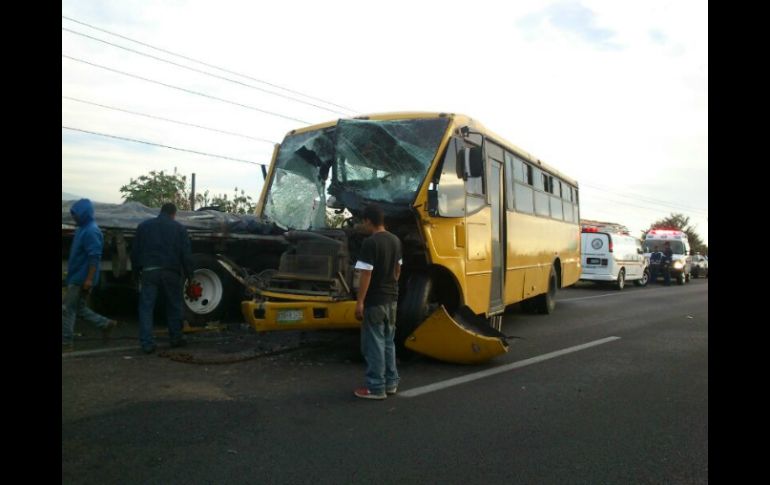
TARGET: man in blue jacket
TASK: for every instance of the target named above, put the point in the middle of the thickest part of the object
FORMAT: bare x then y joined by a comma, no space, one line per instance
161,252
82,275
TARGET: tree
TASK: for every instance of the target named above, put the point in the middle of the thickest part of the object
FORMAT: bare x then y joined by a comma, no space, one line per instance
682,223
157,188
239,204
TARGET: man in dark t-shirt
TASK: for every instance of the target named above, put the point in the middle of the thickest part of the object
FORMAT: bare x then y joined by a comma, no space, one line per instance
380,266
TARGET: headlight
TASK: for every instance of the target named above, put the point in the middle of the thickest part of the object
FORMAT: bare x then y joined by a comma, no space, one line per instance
678,265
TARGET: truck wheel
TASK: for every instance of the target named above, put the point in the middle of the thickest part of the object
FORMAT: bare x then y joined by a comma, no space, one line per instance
621,283
210,293
546,303
644,279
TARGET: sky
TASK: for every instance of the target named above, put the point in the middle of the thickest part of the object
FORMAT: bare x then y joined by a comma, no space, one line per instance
611,93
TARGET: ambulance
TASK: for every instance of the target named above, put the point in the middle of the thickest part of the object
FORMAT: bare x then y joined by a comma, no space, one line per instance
681,261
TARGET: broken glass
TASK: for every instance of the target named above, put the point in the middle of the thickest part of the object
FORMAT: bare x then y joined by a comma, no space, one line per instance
386,160
296,199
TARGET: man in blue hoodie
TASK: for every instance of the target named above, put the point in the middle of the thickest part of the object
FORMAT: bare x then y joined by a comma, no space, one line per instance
82,275
161,251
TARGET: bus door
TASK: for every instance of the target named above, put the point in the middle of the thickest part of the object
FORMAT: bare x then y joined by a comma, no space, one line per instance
497,226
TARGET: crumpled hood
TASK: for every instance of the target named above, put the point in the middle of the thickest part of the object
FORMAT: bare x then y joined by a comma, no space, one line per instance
82,211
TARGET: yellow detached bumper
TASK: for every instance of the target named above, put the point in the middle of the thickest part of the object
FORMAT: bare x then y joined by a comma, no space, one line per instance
442,338
300,315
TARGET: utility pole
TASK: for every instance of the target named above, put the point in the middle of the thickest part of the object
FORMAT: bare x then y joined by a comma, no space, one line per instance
192,193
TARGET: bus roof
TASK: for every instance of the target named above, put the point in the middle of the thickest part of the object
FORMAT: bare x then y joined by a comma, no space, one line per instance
459,119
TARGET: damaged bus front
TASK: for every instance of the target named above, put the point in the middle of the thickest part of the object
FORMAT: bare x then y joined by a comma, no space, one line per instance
329,173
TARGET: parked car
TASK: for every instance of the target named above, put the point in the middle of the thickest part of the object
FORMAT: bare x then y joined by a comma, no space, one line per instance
700,266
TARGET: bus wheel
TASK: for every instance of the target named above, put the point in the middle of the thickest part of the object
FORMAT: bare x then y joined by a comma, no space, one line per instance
413,307
210,291
644,279
621,283
546,303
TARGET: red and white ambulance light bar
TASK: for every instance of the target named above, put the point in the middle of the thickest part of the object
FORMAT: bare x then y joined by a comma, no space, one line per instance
664,233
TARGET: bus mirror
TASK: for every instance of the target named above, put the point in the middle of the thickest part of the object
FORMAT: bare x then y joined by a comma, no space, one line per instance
474,162
433,202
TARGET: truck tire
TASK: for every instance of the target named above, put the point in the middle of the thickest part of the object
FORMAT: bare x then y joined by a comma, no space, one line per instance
212,292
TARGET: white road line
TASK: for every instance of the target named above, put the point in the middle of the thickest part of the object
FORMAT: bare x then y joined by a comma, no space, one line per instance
616,293
98,351
595,296
437,386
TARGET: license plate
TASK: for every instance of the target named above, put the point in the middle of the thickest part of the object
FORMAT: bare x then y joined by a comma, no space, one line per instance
592,261
289,316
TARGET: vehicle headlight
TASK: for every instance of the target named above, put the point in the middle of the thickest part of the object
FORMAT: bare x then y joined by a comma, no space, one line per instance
678,265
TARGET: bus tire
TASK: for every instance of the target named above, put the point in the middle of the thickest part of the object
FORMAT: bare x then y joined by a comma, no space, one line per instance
546,303
413,307
215,289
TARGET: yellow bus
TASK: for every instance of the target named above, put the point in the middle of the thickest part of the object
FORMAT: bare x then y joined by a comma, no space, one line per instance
483,225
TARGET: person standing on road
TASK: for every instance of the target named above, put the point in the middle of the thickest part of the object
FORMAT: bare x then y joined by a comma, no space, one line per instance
668,257
82,275
380,266
655,260
161,253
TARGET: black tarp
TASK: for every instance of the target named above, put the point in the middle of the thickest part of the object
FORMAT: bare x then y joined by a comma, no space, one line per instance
130,214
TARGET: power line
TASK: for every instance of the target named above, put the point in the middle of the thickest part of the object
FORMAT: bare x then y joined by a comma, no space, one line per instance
185,89
208,65
205,72
645,198
162,146
167,119
655,209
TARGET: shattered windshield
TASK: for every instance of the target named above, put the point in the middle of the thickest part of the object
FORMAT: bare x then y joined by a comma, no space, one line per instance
297,199
385,160
373,160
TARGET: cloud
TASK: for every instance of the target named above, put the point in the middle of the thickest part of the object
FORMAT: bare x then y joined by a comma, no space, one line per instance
573,19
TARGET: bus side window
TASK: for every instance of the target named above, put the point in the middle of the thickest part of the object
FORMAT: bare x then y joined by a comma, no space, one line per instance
522,187
509,176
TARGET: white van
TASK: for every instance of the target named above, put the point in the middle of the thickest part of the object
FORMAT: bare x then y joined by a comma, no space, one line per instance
612,258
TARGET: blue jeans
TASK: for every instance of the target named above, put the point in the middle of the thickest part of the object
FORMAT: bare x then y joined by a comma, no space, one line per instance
73,306
377,332
170,283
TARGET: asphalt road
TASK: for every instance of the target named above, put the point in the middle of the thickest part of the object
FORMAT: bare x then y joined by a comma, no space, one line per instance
633,409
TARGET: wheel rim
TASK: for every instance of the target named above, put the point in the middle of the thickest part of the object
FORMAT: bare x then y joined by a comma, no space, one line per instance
208,285
645,277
